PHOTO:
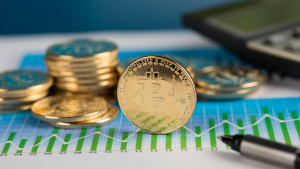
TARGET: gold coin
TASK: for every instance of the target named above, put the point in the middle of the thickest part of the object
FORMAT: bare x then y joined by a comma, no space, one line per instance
30,98
89,93
157,94
22,83
87,80
87,87
11,110
82,50
108,117
228,79
88,68
86,63
82,74
224,95
68,109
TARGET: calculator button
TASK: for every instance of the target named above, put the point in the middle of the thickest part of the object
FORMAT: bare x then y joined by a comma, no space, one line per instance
294,45
275,40
296,33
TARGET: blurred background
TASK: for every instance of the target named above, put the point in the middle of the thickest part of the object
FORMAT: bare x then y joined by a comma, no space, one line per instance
50,16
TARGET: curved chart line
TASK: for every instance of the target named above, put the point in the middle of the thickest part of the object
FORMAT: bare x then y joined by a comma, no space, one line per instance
197,135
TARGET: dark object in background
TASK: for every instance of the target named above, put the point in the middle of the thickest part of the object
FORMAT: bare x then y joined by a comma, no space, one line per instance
264,32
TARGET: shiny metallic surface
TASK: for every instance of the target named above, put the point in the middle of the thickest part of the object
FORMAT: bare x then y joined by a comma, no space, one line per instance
156,94
269,152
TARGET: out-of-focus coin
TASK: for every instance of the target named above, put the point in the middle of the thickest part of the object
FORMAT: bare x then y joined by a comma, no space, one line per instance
87,87
87,80
108,117
228,79
89,68
81,74
224,95
14,109
90,93
64,64
30,98
68,109
157,94
22,83
83,50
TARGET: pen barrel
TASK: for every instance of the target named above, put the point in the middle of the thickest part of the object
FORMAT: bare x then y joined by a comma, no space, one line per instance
268,151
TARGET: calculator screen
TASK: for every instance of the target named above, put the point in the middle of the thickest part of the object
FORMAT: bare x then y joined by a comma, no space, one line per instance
257,17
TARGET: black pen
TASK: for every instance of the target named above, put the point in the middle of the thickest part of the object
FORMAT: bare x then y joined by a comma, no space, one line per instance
264,150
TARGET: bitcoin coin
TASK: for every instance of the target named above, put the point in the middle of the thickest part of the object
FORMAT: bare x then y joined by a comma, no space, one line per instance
156,94
22,83
14,109
224,95
68,109
81,74
108,117
81,50
87,80
228,79
85,69
87,87
30,98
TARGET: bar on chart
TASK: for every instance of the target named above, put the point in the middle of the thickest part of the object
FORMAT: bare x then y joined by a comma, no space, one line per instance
124,144
21,146
36,144
284,129
96,139
198,142
226,126
269,125
52,140
139,140
240,124
183,138
296,122
212,133
109,143
81,140
7,145
153,141
254,127
169,141
64,147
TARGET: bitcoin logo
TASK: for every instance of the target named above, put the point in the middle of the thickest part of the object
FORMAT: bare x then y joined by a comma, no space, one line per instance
156,94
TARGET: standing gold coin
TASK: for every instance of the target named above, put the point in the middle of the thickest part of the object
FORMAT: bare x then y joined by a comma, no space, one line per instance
68,109
157,94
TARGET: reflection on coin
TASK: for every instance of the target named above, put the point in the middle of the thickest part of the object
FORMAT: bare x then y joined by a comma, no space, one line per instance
224,95
68,109
108,117
30,98
22,83
228,79
87,87
83,50
156,94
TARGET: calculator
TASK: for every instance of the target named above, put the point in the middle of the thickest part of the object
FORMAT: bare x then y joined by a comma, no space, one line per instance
263,32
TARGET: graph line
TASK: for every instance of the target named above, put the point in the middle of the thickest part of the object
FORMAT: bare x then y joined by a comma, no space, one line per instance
196,135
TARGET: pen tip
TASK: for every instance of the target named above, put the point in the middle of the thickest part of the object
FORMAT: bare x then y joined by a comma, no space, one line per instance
219,137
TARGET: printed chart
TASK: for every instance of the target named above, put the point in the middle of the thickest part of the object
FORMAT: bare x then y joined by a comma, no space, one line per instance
274,119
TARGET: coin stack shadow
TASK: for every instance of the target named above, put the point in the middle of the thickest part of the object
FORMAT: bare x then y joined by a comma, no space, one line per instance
20,88
227,83
83,67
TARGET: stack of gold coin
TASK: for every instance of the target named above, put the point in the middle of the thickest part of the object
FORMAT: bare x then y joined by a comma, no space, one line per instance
181,60
19,89
157,94
83,66
74,112
225,83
